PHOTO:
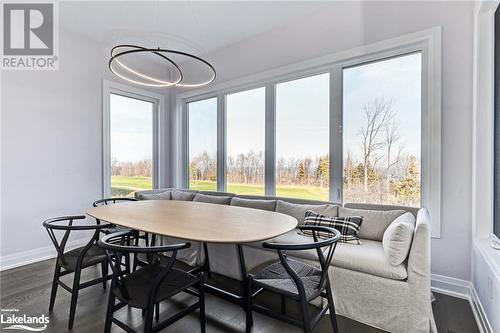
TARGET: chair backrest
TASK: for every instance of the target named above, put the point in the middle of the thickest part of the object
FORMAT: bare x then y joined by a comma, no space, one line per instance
107,201
320,245
64,224
115,247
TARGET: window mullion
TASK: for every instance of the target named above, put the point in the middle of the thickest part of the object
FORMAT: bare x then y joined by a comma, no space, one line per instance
221,143
336,146
270,142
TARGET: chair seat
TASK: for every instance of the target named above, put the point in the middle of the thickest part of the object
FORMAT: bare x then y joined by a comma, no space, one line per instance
94,255
275,277
113,229
139,283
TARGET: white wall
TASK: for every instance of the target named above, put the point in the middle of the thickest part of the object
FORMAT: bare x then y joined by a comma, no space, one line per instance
351,24
51,144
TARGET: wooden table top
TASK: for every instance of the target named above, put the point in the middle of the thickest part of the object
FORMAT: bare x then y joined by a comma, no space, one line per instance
197,221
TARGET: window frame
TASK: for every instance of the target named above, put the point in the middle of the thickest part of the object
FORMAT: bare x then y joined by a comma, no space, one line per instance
428,42
158,155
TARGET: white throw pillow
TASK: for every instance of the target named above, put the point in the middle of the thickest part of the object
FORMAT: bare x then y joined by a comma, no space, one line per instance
397,238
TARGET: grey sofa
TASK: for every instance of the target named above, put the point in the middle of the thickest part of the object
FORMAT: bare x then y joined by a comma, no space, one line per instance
366,287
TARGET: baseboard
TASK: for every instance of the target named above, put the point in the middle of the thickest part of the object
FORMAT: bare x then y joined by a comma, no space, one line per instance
465,290
35,255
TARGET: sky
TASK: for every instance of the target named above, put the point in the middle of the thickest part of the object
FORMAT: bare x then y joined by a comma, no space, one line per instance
301,114
131,124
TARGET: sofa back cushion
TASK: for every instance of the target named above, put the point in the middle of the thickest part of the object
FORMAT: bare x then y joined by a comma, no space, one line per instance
214,199
299,210
397,239
166,195
182,195
375,222
254,203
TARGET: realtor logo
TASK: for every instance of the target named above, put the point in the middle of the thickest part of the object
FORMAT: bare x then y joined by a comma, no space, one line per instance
29,36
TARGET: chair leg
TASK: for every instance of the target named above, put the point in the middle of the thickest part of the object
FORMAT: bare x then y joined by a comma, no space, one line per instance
333,315
201,293
148,321
157,312
305,315
57,273
249,300
74,297
109,312
104,270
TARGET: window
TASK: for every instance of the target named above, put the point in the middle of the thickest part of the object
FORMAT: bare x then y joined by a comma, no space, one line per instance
302,138
245,117
382,131
131,138
203,144
357,127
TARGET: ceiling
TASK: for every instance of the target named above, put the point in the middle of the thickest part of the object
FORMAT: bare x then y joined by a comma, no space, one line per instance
201,27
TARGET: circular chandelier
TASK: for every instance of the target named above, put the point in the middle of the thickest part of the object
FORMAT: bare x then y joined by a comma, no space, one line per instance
135,76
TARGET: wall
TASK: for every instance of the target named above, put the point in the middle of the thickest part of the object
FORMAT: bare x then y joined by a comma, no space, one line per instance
350,24
51,131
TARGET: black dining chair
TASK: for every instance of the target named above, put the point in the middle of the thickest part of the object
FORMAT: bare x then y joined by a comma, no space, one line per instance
149,285
136,235
74,261
297,280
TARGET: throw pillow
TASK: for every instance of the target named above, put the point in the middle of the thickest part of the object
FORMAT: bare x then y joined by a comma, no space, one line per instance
397,238
348,226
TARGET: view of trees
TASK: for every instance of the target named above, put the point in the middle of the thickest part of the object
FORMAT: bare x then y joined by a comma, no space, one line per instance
383,171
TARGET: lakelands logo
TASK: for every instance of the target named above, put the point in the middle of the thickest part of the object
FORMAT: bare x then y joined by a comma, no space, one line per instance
30,36
10,319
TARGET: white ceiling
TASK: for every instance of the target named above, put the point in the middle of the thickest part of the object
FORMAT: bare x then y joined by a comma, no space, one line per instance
203,26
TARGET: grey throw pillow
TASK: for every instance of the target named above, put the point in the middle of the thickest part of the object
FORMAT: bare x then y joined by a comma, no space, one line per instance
182,195
215,199
254,203
375,222
397,239
299,210
155,196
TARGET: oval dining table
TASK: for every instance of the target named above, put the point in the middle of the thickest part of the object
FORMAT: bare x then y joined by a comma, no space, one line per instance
205,223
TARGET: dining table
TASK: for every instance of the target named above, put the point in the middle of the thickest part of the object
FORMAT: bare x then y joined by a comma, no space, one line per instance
204,223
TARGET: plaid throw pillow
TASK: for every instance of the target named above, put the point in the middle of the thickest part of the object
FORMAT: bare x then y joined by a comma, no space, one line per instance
348,226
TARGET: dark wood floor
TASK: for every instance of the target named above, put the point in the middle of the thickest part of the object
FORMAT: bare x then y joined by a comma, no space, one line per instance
27,288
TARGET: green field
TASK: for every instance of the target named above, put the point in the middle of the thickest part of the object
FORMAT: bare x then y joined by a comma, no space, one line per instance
123,186
126,186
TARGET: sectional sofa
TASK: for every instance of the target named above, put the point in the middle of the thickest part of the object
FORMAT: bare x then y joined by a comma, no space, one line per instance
366,286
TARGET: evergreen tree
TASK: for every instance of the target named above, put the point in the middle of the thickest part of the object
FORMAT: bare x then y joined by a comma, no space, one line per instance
301,172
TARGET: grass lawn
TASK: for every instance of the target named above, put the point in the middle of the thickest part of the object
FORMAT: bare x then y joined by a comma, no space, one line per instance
126,186
303,192
123,186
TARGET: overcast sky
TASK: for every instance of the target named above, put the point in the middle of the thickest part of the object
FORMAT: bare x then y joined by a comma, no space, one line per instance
301,114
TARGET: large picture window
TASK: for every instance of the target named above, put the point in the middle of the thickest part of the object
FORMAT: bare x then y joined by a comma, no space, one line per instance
382,131
302,138
130,142
202,120
245,118
351,132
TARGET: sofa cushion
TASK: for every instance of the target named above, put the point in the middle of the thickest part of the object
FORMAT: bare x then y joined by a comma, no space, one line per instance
215,199
397,238
368,257
182,195
347,226
166,195
299,210
375,222
254,203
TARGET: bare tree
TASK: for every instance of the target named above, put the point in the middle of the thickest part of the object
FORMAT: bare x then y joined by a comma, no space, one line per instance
378,113
392,136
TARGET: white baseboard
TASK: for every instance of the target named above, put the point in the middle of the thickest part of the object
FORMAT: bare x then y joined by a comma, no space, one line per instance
35,255
462,289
